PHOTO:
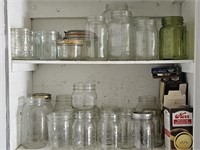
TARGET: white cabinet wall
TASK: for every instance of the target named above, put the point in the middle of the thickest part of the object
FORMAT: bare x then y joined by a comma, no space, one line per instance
119,82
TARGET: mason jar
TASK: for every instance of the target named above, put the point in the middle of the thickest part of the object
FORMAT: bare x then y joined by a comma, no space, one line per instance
109,129
34,123
84,130
120,36
84,96
172,37
63,102
59,130
143,131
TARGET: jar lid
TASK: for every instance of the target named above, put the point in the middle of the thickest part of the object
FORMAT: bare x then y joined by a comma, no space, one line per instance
78,34
142,115
42,95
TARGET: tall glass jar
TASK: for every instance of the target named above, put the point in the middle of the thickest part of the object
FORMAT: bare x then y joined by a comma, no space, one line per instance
109,129
59,130
143,131
145,39
84,96
120,36
34,123
96,46
22,44
84,130
63,102
172,37
46,44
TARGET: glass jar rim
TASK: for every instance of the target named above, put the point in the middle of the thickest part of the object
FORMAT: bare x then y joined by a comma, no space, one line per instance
142,115
64,97
59,116
84,86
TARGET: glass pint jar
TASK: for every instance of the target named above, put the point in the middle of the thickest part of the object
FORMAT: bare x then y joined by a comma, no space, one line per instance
120,36
172,37
59,130
84,130
109,129
46,44
145,39
84,96
22,44
63,102
143,131
34,123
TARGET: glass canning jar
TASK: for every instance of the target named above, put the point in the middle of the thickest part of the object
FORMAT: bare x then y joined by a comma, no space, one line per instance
63,102
34,123
145,39
109,129
120,36
84,130
23,44
172,37
143,131
84,96
59,130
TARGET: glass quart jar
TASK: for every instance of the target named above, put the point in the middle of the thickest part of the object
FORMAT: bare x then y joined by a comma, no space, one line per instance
145,39
63,102
34,123
146,101
172,37
96,41
120,36
46,44
84,130
84,96
23,44
109,129
59,130
143,131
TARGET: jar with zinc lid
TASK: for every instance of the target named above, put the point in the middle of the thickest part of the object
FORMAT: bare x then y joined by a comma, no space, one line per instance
172,37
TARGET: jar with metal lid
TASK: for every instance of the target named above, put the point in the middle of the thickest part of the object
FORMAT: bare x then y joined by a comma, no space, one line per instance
59,130
47,98
46,44
63,102
84,130
109,129
172,37
23,44
84,96
145,39
120,36
34,123
143,131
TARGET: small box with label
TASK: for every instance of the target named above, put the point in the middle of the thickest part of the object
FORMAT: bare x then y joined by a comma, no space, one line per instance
178,124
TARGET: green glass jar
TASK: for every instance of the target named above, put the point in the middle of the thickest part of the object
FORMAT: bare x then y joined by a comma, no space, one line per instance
172,38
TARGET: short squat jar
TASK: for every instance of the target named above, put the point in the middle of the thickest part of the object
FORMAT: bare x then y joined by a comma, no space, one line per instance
172,37
84,96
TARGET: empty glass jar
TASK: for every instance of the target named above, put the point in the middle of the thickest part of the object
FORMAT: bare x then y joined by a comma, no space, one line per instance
145,39
34,123
59,130
120,39
84,130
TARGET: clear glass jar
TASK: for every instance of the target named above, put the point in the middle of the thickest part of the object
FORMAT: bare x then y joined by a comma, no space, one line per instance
158,125
63,102
96,43
109,129
172,37
120,36
34,123
126,128
112,6
46,44
143,131
59,130
84,130
23,44
145,39
84,96
146,101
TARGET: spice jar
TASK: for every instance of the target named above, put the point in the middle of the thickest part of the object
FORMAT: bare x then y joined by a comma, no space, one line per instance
34,123
172,37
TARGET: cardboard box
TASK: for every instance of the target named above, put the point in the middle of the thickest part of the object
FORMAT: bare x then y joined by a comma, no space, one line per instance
178,125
